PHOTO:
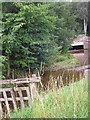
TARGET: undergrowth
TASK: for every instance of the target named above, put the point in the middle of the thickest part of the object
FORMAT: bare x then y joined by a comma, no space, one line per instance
67,102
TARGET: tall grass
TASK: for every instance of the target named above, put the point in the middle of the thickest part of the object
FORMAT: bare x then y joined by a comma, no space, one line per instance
67,102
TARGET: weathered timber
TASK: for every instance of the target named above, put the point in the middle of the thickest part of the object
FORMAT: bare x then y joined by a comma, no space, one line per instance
20,81
6,100
28,96
1,110
14,99
81,49
81,68
21,98
8,95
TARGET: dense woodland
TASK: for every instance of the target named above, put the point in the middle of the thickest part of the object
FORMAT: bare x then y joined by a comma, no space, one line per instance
37,33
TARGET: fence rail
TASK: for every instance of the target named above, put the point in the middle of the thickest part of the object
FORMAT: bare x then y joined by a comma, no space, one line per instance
6,100
20,80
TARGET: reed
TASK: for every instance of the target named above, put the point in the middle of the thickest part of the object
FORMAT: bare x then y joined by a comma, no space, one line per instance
70,101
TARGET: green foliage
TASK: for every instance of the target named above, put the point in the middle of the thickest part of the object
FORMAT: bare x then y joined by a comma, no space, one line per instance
37,32
27,36
68,102
66,25
81,10
64,61
2,66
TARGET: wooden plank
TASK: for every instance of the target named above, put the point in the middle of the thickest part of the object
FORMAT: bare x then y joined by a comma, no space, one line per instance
2,99
21,98
21,80
6,100
24,98
1,111
13,100
5,89
80,68
28,95
76,51
26,79
33,90
22,88
27,82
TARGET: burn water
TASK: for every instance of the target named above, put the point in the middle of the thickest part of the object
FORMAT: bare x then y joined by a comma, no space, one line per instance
61,77
58,78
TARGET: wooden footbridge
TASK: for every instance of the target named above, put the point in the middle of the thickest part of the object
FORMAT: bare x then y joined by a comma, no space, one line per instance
13,92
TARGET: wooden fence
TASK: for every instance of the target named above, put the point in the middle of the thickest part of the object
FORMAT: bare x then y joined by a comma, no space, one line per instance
9,97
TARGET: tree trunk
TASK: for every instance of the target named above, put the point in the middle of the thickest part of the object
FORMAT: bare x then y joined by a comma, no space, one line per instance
85,26
29,75
13,74
8,69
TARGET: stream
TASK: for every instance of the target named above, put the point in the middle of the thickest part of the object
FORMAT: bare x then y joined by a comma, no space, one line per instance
61,77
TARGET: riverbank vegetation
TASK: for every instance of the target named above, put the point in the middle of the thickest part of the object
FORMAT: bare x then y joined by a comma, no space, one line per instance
64,61
67,102
37,37
35,33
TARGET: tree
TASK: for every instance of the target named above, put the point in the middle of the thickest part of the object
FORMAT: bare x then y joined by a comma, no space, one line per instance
27,36
34,33
66,25
81,9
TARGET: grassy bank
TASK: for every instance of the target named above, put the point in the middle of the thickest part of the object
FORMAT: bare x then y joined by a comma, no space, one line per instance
64,61
68,102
